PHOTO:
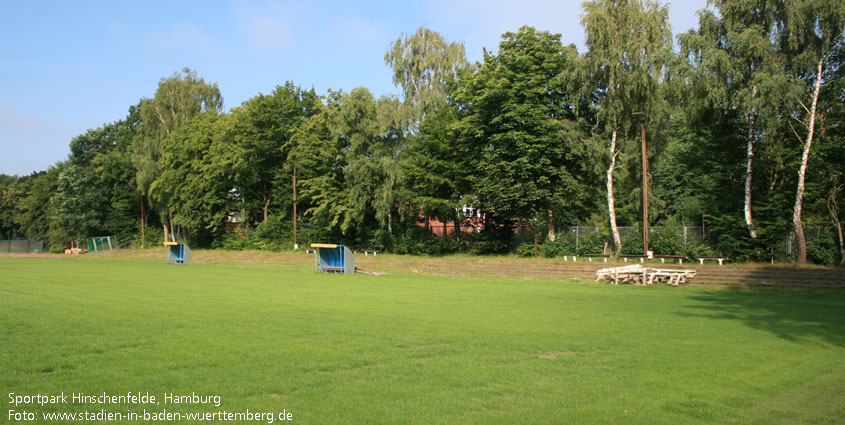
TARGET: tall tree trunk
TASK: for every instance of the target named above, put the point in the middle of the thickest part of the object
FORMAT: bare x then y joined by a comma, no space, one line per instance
295,242
266,207
172,233
389,223
611,210
551,223
833,207
749,156
645,195
164,228
802,172
143,239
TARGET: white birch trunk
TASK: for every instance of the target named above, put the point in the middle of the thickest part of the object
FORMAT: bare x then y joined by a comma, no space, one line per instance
551,222
802,172
749,157
611,209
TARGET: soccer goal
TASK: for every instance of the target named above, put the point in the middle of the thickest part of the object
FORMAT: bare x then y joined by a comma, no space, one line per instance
102,243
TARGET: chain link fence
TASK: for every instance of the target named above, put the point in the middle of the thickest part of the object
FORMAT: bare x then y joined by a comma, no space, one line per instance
22,245
693,235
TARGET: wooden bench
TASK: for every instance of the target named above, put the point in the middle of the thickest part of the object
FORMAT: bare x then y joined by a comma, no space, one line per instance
719,259
309,251
603,256
333,269
574,257
370,251
680,258
625,257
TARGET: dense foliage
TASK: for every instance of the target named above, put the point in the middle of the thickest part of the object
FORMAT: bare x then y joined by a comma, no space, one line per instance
743,122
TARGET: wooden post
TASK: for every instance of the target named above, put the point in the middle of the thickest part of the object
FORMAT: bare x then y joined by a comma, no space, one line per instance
295,244
645,196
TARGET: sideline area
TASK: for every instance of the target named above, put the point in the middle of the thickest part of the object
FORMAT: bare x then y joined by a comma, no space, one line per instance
751,275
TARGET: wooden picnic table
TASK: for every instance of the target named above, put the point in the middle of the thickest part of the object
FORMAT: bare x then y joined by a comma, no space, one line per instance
640,275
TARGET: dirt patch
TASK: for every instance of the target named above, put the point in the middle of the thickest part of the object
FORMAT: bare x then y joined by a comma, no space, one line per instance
28,255
555,355
420,347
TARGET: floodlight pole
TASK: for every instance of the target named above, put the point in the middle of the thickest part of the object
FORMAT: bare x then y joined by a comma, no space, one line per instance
295,245
645,196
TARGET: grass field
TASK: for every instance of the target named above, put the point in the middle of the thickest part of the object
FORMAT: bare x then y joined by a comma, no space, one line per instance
406,349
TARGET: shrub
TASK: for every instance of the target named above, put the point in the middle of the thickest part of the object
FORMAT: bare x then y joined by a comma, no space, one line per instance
563,245
420,241
525,250
632,243
822,250
666,241
57,248
492,240
153,236
700,250
591,243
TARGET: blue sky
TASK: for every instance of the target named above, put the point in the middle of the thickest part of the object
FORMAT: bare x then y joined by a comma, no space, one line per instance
66,67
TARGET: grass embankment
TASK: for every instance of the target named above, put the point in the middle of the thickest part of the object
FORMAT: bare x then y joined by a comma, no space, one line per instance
415,349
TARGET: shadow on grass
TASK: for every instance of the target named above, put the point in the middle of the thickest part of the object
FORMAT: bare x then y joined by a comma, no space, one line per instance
793,317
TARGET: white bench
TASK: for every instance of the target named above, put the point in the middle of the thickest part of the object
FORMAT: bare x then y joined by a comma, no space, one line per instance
719,259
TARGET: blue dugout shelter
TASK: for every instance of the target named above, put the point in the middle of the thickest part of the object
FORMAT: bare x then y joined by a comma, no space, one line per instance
178,253
333,258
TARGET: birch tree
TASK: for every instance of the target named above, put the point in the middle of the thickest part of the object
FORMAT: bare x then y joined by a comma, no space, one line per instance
810,36
178,99
732,60
422,64
629,42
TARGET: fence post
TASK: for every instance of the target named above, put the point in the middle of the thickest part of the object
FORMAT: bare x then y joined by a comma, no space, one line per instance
576,236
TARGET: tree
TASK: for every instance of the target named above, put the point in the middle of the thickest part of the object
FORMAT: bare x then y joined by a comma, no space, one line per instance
101,158
732,58
10,195
810,37
178,99
78,205
261,143
348,157
520,119
629,43
436,170
422,65
195,186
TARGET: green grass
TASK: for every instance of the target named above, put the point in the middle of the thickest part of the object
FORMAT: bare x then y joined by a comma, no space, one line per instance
414,349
